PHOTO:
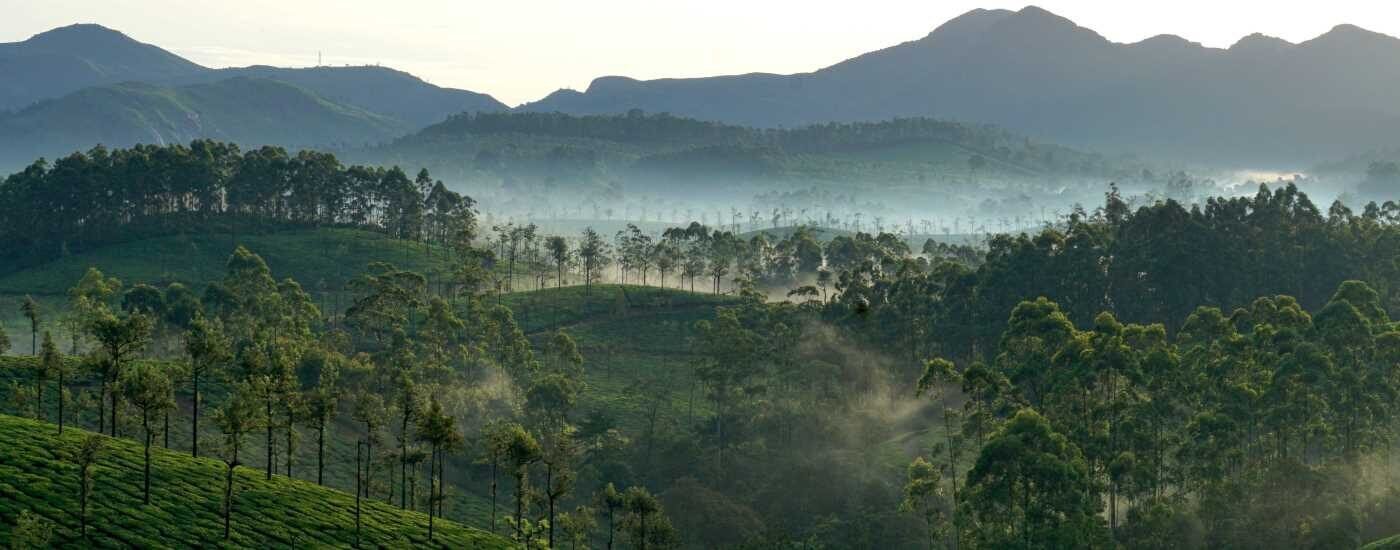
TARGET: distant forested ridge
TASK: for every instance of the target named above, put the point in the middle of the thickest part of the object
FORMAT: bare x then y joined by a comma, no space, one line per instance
1155,264
87,200
563,164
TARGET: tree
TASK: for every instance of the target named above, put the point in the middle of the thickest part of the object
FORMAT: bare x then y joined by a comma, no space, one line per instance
560,253
236,418
578,526
369,410
646,522
923,493
51,365
208,348
147,387
521,450
321,404
33,312
1030,488
439,431
611,500
559,452
593,252
4,342
118,339
88,453
410,406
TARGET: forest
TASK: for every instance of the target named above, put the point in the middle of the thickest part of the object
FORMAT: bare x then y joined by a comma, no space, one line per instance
1214,374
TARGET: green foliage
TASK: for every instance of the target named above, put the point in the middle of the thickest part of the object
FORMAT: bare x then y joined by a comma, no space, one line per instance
40,476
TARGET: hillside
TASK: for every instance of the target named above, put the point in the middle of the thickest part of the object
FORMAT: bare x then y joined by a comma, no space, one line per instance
64,60
1261,100
71,88
248,111
37,474
315,257
550,161
380,90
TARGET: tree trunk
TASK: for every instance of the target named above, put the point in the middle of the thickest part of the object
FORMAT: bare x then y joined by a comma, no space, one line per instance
519,501
432,499
194,431
228,497
321,454
291,431
549,491
61,399
146,480
494,463
113,394
269,438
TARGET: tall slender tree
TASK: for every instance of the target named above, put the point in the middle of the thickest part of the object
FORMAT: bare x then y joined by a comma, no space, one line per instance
148,387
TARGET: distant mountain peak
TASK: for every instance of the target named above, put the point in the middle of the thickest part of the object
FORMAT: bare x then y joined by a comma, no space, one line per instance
80,35
1166,41
1260,42
1352,33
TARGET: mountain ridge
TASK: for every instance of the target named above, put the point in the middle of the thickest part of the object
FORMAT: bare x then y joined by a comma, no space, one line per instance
1262,100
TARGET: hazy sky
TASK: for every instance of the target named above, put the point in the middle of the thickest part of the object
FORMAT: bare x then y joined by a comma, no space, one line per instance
520,50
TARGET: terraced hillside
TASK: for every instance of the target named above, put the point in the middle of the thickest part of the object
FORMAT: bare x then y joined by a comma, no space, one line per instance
37,473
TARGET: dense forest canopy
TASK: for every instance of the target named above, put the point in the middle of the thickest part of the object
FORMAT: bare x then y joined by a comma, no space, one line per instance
1147,377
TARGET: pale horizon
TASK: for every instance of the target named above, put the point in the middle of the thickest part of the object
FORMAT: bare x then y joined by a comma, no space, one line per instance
520,54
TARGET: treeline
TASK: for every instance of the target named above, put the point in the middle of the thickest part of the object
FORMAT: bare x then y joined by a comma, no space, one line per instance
87,200
1152,265
722,143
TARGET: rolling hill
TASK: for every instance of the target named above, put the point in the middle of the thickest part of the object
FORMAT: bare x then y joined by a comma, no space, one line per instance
71,88
1031,71
247,111
37,474
64,60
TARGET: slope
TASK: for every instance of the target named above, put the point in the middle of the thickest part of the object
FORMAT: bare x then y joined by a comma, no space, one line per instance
248,111
37,473
66,59
317,258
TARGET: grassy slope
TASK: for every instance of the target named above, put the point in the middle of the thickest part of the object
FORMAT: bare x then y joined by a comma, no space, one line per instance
36,474
632,339
248,111
307,255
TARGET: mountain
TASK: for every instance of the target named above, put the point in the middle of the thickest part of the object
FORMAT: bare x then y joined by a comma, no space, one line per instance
64,60
380,90
74,87
1263,100
248,111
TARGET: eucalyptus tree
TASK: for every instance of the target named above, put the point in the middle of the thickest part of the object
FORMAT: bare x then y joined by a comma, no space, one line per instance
51,364
646,520
439,431
89,451
1030,488
559,251
521,450
923,492
34,313
594,256
149,388
322,399
236,417
209,350
118,338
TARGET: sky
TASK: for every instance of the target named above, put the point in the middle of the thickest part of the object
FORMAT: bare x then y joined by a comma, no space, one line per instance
521,50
